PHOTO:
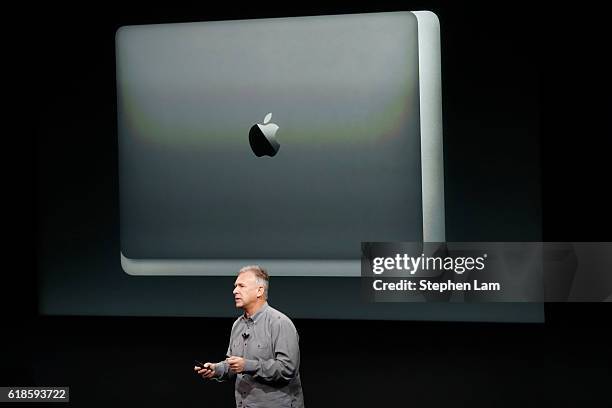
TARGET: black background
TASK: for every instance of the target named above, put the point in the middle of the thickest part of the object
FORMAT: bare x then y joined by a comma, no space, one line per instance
564,361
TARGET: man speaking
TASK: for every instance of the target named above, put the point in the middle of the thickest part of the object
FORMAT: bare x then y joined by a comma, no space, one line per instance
263,354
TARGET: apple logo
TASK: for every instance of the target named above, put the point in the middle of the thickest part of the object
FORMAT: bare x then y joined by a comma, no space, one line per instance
262,138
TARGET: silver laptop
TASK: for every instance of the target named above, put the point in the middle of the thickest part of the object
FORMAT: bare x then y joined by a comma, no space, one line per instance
285,142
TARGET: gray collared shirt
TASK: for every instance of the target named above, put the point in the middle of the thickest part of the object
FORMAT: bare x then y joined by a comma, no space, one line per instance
268,341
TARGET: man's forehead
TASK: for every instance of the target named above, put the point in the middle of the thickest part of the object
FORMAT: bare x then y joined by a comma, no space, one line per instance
245,277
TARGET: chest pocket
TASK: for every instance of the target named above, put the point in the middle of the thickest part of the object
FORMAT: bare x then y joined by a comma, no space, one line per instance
257,349
238,348
264,349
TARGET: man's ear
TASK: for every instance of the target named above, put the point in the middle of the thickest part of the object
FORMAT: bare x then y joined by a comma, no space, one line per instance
260,291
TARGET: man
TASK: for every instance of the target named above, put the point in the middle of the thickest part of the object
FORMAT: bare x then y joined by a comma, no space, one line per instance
263,354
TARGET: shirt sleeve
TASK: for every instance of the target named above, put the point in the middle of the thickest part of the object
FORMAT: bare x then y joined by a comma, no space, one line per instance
284,366
222,372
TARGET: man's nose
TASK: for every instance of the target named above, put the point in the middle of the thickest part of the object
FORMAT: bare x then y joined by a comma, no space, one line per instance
235,291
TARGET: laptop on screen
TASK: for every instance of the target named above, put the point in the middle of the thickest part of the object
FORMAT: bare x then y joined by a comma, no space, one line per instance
284,141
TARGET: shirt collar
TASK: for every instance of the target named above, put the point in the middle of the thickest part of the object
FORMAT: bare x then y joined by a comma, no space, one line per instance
257,314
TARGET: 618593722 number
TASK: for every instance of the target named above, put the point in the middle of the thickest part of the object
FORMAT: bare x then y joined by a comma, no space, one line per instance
25,394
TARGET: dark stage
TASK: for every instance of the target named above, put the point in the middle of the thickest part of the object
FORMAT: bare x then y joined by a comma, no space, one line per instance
533,76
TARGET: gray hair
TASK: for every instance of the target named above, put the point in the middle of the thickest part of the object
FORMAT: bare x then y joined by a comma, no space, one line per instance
261,276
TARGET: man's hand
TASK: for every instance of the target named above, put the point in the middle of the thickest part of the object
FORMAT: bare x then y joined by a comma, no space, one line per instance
236,364
208,371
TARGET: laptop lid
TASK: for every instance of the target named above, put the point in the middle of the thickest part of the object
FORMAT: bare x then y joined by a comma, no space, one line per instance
337,99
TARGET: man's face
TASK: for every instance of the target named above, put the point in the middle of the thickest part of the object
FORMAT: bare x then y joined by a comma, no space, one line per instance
246,289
